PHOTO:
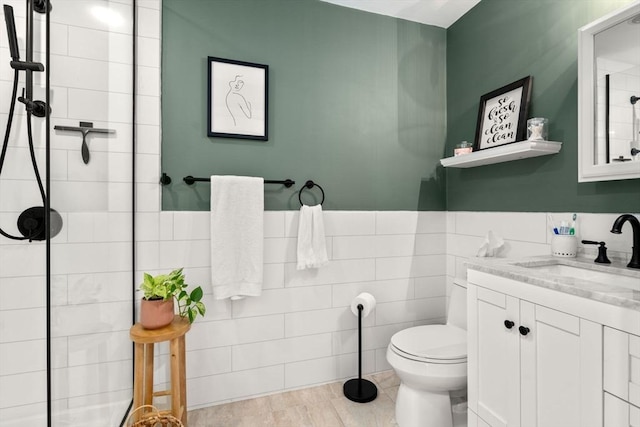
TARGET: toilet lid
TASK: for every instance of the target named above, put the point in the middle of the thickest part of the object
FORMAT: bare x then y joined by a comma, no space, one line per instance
432,342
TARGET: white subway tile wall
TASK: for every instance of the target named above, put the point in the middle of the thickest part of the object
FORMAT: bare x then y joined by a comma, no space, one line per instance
406,271
300,332
527,234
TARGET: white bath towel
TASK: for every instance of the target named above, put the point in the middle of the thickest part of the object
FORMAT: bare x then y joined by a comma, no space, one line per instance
312,249
237,236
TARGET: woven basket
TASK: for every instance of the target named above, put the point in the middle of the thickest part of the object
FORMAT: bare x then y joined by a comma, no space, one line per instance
153,418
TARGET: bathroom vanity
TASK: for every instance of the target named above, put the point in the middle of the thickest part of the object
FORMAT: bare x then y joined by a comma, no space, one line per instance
553,342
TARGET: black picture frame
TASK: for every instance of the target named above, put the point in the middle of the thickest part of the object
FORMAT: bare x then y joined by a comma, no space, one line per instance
237,99
502,116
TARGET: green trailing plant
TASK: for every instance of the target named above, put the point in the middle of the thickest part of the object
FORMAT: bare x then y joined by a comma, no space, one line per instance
172,285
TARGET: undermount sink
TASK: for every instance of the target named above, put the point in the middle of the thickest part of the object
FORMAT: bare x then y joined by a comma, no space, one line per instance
588,274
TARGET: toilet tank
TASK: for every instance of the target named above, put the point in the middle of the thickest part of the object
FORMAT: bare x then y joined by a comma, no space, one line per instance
457,313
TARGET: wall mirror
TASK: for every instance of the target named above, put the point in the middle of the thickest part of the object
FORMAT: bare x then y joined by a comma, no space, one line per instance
609,97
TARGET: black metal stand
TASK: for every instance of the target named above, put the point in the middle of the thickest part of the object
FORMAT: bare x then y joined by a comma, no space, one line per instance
358,389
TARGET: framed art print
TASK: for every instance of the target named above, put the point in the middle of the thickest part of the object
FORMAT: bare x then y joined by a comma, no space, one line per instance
502,116
237,99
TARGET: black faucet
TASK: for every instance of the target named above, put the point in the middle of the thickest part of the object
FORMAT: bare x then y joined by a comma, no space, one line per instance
635,227
602,251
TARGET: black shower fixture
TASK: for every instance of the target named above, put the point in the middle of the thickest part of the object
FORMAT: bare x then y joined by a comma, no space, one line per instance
37,108
634,99
34,223
40,6
16,63
31,223
11,32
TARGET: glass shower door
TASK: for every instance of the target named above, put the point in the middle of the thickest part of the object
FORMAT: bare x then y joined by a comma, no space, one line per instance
90,179
91,87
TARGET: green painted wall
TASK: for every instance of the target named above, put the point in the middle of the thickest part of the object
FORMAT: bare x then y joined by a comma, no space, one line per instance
496,43
357,103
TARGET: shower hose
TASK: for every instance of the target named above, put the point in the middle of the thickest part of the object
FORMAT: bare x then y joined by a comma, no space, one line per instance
33,227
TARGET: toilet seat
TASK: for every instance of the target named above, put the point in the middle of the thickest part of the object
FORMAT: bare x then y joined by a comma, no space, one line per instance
439,344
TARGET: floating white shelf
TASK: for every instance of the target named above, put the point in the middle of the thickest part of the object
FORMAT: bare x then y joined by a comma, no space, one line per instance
504,153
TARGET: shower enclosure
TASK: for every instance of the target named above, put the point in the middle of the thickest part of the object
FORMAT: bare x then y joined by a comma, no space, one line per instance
66,300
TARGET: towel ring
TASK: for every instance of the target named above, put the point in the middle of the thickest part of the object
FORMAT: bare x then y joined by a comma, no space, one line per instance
310,184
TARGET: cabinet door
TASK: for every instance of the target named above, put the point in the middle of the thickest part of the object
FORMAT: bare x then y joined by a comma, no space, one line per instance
493,357
618,413
474,421
561,369
622,365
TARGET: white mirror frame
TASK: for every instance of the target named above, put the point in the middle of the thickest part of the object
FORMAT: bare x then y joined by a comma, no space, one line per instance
587,169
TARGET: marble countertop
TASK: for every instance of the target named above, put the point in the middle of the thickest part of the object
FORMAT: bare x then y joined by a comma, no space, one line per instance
524,270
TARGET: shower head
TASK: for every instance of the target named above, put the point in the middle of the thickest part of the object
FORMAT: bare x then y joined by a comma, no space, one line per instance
11,32
16,64
634,99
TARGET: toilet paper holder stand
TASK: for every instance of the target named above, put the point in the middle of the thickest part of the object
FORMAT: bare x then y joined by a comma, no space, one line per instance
358,389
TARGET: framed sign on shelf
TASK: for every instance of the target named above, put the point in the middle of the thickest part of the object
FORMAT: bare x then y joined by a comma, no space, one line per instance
237,100
502,116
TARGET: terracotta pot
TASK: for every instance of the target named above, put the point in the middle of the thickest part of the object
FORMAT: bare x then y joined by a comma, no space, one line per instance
155,314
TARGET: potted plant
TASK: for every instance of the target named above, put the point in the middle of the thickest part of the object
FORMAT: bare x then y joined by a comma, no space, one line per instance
157,306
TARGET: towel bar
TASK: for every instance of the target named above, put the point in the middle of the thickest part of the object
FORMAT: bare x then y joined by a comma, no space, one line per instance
287,182
190,180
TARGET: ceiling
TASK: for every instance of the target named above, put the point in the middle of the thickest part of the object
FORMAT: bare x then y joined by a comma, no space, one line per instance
441,13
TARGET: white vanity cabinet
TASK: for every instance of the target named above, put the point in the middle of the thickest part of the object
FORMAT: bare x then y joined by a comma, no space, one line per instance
530,365
546,350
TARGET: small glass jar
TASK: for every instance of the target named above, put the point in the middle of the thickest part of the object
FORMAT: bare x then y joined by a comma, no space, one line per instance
463,148
538,129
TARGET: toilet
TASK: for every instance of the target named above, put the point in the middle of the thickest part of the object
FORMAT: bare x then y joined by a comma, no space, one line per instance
431,362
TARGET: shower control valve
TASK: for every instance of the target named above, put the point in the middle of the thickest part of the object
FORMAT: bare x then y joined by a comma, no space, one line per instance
37,108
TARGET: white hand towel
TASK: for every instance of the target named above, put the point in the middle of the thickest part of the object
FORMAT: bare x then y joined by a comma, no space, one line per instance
237,236
312,250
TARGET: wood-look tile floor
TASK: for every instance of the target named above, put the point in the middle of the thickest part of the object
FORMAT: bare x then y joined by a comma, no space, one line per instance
321,406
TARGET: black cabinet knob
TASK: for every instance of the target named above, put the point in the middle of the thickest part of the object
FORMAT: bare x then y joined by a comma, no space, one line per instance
508,324
524,330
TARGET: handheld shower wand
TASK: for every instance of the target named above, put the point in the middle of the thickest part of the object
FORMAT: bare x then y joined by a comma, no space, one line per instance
16,63
11,32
